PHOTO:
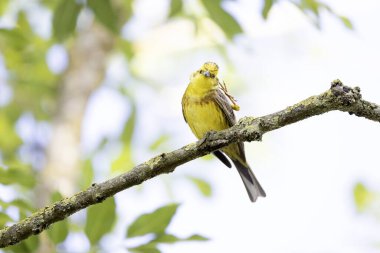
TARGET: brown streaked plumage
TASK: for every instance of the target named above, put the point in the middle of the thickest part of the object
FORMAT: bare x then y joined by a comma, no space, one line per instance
207,106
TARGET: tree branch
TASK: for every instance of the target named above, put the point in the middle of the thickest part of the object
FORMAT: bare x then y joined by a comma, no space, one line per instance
338,97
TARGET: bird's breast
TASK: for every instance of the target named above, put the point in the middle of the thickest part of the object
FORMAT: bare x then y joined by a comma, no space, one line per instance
204,115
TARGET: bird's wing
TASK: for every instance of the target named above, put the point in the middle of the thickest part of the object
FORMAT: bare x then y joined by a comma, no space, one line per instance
224,104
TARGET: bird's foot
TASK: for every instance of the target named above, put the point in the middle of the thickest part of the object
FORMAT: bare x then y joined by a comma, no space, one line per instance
202,141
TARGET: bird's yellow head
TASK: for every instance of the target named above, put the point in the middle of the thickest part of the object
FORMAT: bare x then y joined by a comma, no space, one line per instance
203,80
209,70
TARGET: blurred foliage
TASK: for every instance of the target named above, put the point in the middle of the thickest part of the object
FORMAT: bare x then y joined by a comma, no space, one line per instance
3,6
21,176
4,218
29,245
175,8
366,200
267,6
124,161
156,224
9,145
58,231
203,186
313,9
87,174
100,220
65,18
362,197
35,91
223,19
105,13
159,142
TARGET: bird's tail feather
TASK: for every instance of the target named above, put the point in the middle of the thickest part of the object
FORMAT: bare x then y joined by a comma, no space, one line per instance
222,158
251,184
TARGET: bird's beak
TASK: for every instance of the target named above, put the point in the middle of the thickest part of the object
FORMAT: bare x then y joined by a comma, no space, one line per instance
207,73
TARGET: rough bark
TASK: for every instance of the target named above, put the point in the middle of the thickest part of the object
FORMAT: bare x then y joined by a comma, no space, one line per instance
338,97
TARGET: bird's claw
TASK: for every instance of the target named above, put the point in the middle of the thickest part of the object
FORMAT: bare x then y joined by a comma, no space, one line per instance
204,138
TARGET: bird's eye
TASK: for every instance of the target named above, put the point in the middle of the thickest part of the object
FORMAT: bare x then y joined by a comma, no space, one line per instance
212,75
200,71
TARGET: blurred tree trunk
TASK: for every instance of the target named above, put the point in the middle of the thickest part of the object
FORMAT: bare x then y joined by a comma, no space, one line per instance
85,72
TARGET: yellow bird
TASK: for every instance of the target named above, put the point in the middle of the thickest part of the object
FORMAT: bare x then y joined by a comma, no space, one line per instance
206,106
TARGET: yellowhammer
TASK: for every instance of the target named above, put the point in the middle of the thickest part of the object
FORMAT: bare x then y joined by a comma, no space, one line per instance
206,106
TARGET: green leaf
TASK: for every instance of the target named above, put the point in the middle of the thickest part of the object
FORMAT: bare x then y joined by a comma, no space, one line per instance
311,5
56,196
65,18
51,4
313,8
128,9
208,157
3,6
124,161
22,176
22,204
267,7
146,248
203,186
155,222
87,174
102,144
11,141
29,75
175,7
4,218
58,231
196,238
24,25
362,197
151,246
159,142
129,127
25,208
169,238
13,38
310,8
347,22
223,19
126,47
105,13
28,245
100,220
166,238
